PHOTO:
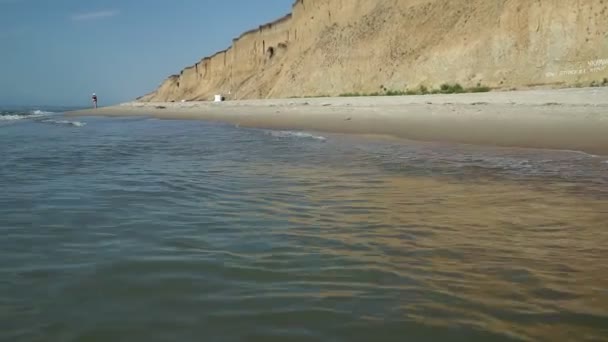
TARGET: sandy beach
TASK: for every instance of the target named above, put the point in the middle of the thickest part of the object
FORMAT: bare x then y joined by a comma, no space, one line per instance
565,119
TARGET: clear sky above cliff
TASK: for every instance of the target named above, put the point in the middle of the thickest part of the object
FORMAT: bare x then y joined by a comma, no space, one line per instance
58,52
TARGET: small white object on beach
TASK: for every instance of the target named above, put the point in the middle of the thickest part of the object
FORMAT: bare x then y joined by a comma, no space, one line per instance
218,98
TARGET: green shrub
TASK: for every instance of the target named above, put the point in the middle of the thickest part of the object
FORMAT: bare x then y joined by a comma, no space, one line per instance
395,93
446,88
455,88
479,89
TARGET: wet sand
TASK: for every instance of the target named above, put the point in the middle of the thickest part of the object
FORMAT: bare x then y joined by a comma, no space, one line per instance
566,119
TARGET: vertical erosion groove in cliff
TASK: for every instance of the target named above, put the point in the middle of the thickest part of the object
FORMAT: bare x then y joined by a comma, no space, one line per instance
331,47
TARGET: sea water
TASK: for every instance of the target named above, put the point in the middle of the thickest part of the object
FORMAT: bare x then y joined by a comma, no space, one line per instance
137,229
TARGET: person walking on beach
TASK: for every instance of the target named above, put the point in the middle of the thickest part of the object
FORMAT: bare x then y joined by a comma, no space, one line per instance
94,100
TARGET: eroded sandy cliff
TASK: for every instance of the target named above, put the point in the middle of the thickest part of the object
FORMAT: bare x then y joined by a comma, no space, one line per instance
331,47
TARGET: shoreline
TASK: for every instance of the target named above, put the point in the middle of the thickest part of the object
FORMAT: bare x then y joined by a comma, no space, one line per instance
564,119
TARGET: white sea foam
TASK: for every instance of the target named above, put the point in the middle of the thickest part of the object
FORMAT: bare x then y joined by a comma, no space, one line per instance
292,134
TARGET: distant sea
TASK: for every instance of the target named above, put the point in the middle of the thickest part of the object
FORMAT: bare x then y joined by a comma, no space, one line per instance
137,229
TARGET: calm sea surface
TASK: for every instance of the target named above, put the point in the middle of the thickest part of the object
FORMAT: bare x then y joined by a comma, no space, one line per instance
136,229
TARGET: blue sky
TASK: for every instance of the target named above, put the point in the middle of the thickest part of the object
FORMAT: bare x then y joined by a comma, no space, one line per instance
57,52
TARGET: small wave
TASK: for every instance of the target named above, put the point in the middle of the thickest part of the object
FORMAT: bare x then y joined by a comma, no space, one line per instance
65,122
39,116
12,117
39,112
581,153
292,134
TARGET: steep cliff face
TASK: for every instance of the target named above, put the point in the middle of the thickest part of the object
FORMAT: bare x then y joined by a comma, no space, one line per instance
330,47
